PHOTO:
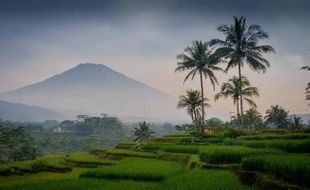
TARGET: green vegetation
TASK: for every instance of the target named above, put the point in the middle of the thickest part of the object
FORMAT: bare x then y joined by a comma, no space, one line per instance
229,154
294,146
135,169
192,102
232,89
85,159
208,154
15,143
240,46
293,168
143,133
48,163
276,136
124,153
199,59
198,179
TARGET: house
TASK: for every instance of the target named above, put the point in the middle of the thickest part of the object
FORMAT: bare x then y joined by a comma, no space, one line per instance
208,130
58,129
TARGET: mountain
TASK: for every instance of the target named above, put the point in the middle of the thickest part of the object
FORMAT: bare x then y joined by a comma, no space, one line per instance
21,112
93,89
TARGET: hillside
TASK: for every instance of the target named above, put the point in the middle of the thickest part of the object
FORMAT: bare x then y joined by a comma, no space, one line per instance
94,89
21,112
275,159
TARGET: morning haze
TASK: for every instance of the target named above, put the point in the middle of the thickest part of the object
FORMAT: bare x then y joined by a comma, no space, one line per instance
141,40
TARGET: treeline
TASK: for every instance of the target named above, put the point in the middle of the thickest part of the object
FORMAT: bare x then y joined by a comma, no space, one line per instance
89,125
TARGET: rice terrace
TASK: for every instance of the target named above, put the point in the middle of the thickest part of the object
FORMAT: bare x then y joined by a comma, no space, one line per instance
148,95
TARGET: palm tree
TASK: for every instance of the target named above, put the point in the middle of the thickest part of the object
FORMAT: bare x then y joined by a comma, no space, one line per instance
192,102
144,132
308,85
231,88
253,119
277,116
241,46
199,59
296,122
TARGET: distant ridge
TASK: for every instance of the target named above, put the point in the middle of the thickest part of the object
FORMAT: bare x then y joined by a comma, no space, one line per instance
21,112
95,88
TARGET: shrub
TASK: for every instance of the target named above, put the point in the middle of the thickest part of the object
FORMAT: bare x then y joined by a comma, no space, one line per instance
229,154
136,169
292,168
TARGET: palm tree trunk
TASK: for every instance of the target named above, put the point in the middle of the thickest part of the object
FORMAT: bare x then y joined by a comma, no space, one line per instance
238,113
240,94
202,103
192,116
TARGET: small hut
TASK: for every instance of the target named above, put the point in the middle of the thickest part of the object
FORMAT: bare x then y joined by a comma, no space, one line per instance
208,130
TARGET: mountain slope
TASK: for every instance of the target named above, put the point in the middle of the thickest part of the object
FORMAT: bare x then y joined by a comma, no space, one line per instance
95,88
21,112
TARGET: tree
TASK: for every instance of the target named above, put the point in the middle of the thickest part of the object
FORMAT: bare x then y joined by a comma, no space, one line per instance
277,116
232,87
253,119
192,102
15,143
214,122
144,132
308,85
241,46
199,59
296,122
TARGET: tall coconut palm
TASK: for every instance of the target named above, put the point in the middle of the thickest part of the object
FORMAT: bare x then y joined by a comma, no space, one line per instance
308,85
144,132
199,59
277,116
192,102
241,46
231,88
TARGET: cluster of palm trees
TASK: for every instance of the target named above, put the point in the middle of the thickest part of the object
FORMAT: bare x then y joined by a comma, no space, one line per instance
279,118
239,47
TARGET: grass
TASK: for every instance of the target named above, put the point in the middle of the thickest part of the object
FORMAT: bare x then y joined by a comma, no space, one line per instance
38,177
185,149
47,163
209,180
173,139
176,157
275,136
125,153
191,180
230,154
85,159
292,168
82,184
136,169
293,146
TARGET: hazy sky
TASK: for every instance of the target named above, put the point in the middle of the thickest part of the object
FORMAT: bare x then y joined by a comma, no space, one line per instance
40,38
